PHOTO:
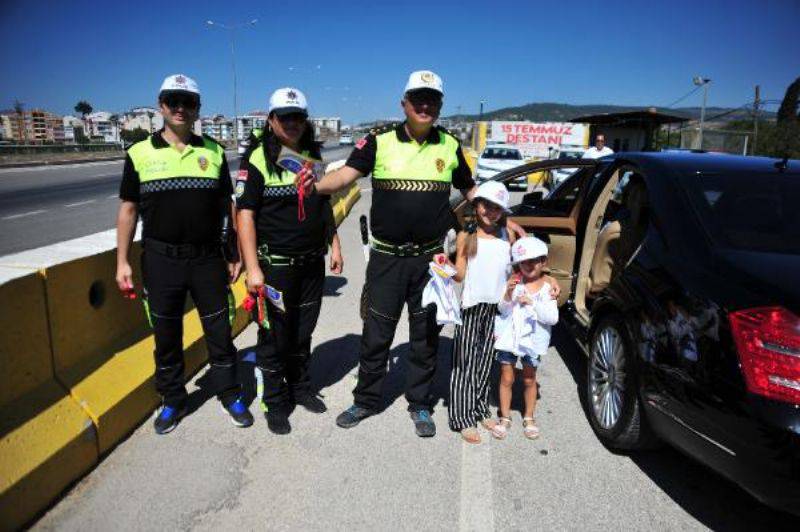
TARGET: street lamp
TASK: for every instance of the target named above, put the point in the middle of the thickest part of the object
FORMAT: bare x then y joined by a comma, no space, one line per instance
698,81
480,114
231,28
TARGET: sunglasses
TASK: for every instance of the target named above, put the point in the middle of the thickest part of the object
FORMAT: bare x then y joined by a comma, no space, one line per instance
431,99
291,117
176,101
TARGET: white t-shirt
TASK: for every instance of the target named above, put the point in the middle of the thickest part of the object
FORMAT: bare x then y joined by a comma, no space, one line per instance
487,272
594,153
525,329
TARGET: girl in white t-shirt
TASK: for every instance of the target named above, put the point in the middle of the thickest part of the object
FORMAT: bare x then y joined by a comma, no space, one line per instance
482,264
522,330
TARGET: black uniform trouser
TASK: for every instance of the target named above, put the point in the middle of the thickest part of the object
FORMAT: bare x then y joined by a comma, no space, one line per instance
283,350
392,282
167,280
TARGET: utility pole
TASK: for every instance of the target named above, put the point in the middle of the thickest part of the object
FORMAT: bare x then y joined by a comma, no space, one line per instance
231,28
480,114
699,80
756,103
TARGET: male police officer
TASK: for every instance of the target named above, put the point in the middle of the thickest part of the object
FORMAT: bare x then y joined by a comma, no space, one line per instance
413,167
180,184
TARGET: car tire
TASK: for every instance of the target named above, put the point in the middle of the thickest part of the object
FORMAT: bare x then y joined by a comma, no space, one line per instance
611,391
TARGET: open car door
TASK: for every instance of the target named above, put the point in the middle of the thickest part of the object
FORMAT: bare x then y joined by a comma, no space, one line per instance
553,218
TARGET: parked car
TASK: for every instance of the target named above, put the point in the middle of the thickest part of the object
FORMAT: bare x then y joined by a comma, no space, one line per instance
680,277
498,157
346,140
566,153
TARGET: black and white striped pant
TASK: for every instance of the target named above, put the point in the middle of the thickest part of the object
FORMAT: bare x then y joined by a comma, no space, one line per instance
473,352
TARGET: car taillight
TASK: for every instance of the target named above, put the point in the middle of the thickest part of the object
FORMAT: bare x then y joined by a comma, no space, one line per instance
768,342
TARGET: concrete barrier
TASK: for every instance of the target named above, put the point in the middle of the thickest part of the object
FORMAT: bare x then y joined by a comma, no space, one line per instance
76,370
46,439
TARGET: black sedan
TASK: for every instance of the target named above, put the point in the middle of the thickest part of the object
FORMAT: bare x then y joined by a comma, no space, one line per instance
680,277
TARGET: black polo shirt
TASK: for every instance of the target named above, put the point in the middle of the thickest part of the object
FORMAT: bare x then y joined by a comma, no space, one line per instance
275,207
179,210
399,216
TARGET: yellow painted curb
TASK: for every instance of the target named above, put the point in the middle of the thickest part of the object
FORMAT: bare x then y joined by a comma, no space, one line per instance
46,439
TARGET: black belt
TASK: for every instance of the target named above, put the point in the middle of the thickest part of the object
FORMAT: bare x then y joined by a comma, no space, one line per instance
288,260
181,251
407,249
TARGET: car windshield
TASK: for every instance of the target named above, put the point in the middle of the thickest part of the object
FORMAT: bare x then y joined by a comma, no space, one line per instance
569,155
750,212
502,153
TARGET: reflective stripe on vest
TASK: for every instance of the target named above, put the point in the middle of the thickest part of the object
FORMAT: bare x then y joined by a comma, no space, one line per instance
280,183
410,161
166,168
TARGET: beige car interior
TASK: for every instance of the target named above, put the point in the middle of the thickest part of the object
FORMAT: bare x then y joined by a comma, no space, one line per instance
591,244
603,258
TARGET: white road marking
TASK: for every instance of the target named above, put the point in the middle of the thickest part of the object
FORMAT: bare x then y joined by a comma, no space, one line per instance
366,190
21,215
477,509
79,203
112,196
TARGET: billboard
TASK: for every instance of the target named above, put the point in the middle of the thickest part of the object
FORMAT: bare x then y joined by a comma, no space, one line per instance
534,138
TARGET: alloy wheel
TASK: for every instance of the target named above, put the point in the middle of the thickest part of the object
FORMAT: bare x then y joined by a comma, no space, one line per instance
607,377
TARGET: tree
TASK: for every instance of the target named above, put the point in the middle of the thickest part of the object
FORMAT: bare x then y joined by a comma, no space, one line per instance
84,108
788,123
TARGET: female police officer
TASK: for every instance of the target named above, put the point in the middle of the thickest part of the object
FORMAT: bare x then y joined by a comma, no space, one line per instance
180,184
285,254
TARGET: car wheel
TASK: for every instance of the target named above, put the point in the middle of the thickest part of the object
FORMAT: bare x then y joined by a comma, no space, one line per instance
612,395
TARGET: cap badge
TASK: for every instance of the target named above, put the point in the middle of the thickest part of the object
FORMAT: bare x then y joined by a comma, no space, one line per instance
203,162
180,80
427,77
439,165
291,95
501,195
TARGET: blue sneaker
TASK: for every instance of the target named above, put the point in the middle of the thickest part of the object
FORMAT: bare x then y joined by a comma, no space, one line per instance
423,424
240,415
168,418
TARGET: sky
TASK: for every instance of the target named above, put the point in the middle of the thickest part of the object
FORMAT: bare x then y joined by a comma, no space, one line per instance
352,58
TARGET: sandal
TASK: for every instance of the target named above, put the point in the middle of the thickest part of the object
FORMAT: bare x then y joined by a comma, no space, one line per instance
529,428
500,430
471,435
488,423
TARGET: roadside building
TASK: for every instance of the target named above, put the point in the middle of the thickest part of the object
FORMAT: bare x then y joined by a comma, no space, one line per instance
102,125
325,127
70,124
34,125
628,131
218,127
146,118
250,121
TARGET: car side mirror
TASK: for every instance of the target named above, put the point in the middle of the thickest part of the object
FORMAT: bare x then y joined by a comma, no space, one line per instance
533,198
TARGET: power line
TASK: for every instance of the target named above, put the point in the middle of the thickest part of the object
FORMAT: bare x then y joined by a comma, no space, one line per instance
685,96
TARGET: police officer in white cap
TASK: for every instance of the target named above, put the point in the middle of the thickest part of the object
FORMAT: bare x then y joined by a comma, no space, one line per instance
414,165
286,254
179,183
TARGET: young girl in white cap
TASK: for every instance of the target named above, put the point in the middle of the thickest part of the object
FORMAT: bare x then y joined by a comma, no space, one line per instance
482,263
522,330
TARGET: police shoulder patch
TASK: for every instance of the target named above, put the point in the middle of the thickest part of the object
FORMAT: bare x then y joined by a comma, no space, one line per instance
382,129
239,189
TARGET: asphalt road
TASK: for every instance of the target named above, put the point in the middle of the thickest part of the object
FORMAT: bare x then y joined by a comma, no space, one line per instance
48,204
209,475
